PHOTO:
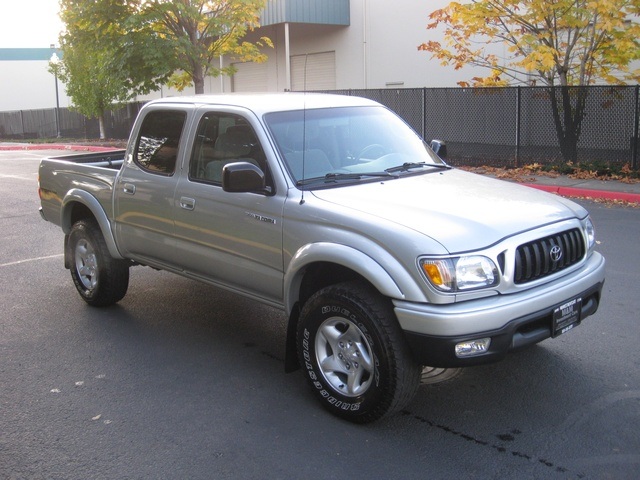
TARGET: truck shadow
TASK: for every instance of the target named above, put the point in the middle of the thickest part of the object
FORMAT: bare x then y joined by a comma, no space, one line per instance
199,349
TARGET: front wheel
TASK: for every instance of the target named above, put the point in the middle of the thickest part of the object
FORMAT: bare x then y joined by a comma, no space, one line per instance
354,354
100,279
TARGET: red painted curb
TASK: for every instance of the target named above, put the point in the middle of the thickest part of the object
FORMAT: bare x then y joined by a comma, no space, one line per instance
587,193
58,146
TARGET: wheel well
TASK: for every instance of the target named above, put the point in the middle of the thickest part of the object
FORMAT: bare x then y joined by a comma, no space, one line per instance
322,274
79,211
316,276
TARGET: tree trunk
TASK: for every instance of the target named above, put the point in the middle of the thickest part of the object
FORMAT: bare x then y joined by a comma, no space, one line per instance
101,123
567,105
198,79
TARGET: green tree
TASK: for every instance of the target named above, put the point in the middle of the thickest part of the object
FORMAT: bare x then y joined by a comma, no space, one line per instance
114,50
93,88
559,44
195,33
98,67
92,93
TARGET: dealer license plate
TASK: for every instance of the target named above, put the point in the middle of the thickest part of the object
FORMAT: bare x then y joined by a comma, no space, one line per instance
566,316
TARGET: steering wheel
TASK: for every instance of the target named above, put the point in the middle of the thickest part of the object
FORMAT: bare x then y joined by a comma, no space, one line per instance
372,149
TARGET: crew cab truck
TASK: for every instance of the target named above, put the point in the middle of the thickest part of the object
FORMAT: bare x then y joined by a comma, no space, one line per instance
331,208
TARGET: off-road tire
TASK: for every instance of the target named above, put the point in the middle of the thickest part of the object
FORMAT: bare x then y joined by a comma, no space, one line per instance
354,354
100,279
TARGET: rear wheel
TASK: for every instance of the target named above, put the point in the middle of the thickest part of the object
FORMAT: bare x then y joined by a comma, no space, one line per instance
100,279
354,353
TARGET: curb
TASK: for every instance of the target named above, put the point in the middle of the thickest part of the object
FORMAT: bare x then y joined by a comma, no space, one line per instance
58,146
587,193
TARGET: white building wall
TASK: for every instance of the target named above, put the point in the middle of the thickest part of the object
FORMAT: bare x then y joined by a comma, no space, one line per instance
379,49
28,85
393,32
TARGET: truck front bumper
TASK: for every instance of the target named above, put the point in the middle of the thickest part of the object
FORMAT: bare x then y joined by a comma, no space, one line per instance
510,321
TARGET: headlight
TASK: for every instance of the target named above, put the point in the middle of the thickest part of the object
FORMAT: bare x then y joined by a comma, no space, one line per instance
460,273
590,232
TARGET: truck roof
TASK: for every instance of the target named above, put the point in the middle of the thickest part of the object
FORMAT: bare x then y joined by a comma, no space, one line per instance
261,103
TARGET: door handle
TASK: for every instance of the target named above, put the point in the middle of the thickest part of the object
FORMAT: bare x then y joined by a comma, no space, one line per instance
187,203
129,188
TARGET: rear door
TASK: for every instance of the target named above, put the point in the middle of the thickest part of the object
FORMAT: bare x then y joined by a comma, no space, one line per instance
230,239
144,195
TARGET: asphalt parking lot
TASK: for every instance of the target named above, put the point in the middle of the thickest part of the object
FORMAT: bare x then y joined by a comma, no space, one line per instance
181,380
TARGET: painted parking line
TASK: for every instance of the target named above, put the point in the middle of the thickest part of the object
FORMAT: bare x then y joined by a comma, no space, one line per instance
30,177
27,260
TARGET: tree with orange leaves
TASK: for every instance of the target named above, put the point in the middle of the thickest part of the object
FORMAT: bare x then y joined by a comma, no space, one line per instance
558,44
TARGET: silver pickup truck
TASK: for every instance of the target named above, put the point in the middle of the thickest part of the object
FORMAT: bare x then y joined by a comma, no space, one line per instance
384,258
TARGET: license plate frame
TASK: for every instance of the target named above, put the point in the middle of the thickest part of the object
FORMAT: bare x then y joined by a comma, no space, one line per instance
566,316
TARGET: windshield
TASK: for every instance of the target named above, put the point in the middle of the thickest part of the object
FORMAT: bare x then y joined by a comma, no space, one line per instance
349,143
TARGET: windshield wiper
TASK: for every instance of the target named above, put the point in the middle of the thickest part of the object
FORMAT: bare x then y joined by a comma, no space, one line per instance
357,175
410,165
336,177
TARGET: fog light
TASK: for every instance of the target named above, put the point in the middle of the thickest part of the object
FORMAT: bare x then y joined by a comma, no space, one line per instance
472,347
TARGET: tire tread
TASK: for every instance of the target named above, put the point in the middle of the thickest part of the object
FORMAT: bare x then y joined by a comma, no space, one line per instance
404,371
113,276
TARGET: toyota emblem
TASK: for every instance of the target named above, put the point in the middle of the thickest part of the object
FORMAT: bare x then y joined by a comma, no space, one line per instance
556,253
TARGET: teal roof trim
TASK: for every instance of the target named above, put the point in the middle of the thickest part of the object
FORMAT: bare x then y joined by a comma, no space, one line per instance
27,54
319,12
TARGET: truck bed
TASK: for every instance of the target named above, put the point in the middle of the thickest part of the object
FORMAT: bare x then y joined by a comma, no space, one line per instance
112,159
94,173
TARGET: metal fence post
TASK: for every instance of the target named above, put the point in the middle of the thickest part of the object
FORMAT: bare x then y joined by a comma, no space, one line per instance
424,113
518,93
636,127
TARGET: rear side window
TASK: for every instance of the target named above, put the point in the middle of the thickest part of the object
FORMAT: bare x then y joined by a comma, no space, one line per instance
157,147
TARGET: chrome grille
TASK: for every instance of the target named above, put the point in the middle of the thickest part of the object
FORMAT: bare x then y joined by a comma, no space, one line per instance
548,255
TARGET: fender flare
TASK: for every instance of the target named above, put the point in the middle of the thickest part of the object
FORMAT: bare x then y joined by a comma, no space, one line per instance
76,195
323,252
345,256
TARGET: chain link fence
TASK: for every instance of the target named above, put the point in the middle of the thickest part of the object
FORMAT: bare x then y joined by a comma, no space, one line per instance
515,126
511,126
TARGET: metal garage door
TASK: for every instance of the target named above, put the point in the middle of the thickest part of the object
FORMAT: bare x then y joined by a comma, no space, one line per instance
250,77
320,69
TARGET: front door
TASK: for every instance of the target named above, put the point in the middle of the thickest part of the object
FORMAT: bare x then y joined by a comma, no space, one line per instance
230,239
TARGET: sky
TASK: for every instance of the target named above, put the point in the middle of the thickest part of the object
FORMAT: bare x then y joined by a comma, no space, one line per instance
29,23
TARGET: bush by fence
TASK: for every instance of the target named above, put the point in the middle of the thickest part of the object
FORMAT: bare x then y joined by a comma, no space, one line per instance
493,126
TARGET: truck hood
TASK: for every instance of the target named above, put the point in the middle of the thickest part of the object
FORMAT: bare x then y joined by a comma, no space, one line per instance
460,210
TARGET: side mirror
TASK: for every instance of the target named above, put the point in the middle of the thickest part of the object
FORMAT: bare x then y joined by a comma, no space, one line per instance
440,148
243,177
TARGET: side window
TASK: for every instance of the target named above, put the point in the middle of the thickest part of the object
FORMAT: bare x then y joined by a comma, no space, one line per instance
223,138
157,148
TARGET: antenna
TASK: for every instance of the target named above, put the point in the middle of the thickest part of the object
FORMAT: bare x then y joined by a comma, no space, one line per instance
304,122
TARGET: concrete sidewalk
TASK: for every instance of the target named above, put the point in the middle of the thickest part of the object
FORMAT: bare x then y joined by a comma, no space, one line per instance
561,185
